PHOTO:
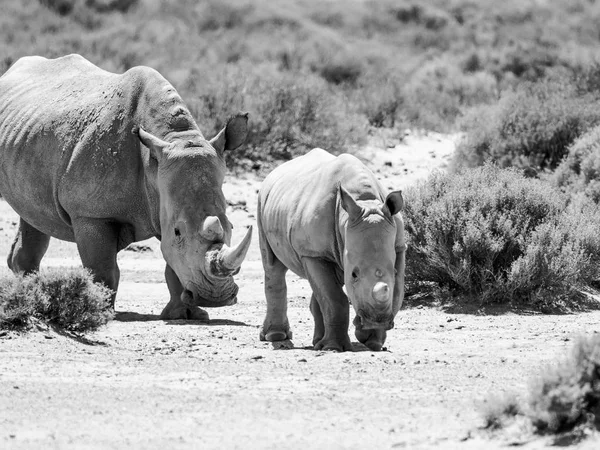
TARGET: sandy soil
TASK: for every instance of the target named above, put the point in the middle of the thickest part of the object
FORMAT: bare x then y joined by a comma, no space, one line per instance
145,383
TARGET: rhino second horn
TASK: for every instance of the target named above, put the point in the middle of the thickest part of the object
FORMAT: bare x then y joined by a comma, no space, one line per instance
212,230
232,257
381,292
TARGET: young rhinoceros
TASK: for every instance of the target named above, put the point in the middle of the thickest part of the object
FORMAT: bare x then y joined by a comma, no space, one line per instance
327,219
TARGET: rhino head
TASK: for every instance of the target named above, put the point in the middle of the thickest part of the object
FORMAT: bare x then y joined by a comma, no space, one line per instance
195,232
370,259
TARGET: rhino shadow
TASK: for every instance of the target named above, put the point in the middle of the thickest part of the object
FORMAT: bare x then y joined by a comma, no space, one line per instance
287,344
130,316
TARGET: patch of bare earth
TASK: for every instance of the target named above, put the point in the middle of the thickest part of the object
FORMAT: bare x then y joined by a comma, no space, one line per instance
145,383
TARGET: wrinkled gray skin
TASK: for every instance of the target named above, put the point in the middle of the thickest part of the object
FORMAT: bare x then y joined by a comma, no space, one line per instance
327,219
105,160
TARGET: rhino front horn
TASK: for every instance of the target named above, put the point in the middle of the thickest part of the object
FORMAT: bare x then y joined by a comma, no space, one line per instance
381,292
232,257
212,230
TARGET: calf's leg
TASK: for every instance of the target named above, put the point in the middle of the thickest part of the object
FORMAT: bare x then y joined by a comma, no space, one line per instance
333,305
276,326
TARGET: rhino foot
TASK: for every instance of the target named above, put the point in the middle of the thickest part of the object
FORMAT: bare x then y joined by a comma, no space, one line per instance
185,313
373,339
275,335
334,344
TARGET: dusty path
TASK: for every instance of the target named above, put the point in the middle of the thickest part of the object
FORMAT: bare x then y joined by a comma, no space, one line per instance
143,383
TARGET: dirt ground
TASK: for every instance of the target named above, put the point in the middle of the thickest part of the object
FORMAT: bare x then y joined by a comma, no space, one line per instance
143,383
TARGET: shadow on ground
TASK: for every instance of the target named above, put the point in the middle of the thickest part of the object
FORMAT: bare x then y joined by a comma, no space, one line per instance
287,344
129,316
473,306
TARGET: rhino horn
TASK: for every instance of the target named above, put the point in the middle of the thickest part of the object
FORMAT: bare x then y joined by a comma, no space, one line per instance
212,230
381,292
231,257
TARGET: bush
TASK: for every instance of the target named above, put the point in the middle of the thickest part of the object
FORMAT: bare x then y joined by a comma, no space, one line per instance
565,397
439,92
491,233
579,172
288,116
530,128
568,394
68,299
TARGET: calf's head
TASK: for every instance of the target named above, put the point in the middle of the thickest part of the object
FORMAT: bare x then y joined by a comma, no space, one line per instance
195,232
369,258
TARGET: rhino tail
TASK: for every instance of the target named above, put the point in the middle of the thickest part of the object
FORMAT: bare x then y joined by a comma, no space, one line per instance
266,252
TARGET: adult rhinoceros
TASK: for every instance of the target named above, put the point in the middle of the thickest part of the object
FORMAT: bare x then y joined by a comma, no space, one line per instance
105,160
327,219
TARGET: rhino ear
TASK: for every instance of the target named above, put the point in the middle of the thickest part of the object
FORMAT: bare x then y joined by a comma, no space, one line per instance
233,135
349,204
394,202
157,146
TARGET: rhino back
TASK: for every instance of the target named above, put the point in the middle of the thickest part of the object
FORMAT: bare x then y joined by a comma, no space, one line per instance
300,214
66,147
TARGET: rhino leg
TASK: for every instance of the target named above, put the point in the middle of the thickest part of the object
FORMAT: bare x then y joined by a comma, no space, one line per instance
315,309
176,309
28,249
332,302
276,326
374,339
97,242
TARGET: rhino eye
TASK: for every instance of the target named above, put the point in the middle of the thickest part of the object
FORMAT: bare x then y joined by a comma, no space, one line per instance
355,273
177,232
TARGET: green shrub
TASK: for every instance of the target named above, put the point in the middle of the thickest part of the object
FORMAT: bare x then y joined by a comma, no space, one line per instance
439,92
530,128
288,116
68,299
579,172
493,234
566,395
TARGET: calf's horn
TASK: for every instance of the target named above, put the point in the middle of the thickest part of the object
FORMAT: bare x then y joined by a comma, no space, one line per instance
212,230
231,257
381,292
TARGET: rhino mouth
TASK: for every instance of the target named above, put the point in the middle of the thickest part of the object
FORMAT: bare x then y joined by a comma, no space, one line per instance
365,320
213,297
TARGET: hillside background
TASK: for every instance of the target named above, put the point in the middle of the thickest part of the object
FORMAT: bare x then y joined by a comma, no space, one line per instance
318,73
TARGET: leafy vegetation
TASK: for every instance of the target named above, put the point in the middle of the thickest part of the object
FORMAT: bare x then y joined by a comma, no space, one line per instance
533,126
565,398
579,173
493,234
68,299
318,74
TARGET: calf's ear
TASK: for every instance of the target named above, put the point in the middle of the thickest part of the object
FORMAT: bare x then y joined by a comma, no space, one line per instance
353,209
394,202
232,135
